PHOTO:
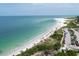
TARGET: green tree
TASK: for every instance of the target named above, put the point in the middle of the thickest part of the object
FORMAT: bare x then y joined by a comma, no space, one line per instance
56,46
67,53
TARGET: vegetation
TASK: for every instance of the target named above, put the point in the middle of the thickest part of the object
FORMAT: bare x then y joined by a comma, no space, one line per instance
39,47
57,35
71,32
77,19
51,44
72,17
71,24
56,46
73,37
67,53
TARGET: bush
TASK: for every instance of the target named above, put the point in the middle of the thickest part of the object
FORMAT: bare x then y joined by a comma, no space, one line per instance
67,53
57,36
40,47
45,46
56,46
71,24
71,53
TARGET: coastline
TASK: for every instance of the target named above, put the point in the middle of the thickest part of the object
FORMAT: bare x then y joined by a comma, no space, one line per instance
37,39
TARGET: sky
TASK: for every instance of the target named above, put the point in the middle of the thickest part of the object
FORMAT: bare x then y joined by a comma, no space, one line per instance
16,9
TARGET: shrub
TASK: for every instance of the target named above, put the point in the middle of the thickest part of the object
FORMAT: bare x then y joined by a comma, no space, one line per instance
67,53
56,46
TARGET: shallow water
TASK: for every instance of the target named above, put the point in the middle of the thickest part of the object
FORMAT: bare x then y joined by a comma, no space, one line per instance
14,30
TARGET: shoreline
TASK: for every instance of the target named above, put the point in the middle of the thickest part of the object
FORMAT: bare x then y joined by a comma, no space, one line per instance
37,39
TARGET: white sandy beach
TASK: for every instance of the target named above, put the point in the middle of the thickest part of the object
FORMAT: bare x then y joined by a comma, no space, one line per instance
37,39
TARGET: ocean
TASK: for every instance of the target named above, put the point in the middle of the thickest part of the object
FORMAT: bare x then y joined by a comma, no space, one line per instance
15,30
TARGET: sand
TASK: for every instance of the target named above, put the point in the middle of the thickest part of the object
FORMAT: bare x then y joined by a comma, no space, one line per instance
42,36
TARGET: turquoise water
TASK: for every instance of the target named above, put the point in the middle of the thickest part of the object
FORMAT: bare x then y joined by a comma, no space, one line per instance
14,30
